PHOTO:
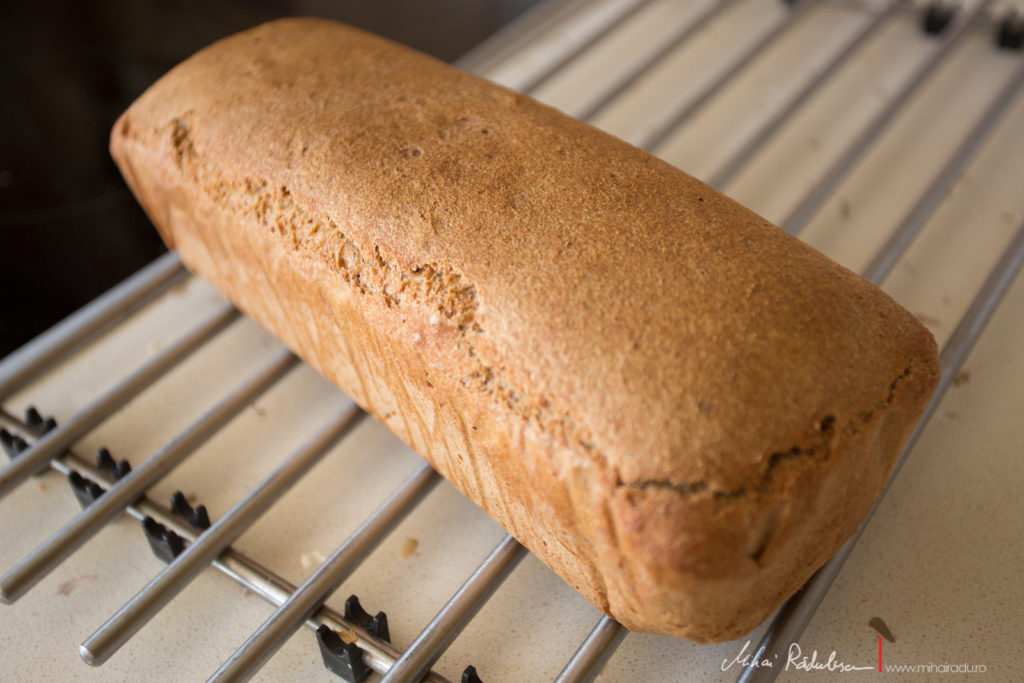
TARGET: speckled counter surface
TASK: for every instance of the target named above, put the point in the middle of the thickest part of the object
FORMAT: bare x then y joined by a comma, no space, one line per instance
939,563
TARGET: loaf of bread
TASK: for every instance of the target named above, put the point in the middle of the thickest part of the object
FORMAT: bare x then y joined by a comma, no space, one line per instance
678,407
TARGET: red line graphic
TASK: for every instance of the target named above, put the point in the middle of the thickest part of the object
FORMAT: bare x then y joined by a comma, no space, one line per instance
879,654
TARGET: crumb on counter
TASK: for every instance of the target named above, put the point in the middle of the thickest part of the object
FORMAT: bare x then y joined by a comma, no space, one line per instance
882,628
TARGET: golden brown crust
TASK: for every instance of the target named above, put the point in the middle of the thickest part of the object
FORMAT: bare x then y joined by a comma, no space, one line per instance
680,408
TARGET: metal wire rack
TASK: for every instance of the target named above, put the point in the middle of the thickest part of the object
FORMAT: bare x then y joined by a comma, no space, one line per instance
670,77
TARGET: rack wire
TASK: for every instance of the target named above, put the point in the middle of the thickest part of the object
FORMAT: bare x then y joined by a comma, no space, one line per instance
543,47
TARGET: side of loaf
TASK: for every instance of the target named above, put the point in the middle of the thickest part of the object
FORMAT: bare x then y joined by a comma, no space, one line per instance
678,407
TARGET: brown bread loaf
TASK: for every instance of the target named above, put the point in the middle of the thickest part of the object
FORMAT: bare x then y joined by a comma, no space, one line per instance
678,407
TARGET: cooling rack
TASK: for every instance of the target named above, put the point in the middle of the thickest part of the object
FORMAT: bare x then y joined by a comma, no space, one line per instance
886,134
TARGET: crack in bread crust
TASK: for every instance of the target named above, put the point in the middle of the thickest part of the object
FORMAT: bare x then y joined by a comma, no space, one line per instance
821,449
274,207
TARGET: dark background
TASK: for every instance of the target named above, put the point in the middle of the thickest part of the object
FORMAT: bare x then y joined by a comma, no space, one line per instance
69,228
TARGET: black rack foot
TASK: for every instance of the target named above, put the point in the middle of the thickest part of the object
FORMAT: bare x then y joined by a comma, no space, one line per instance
196,516
937,17
85,489
116,469
376,626
341,658
1010,32
164,542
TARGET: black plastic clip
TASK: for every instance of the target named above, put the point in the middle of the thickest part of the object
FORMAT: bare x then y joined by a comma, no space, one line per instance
105,461
165,543
85,489
37,422
937,17
376,626
196,516
1010,33
469,675
13,444
341,658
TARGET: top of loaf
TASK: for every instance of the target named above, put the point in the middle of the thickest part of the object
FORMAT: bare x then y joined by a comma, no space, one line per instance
588,282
